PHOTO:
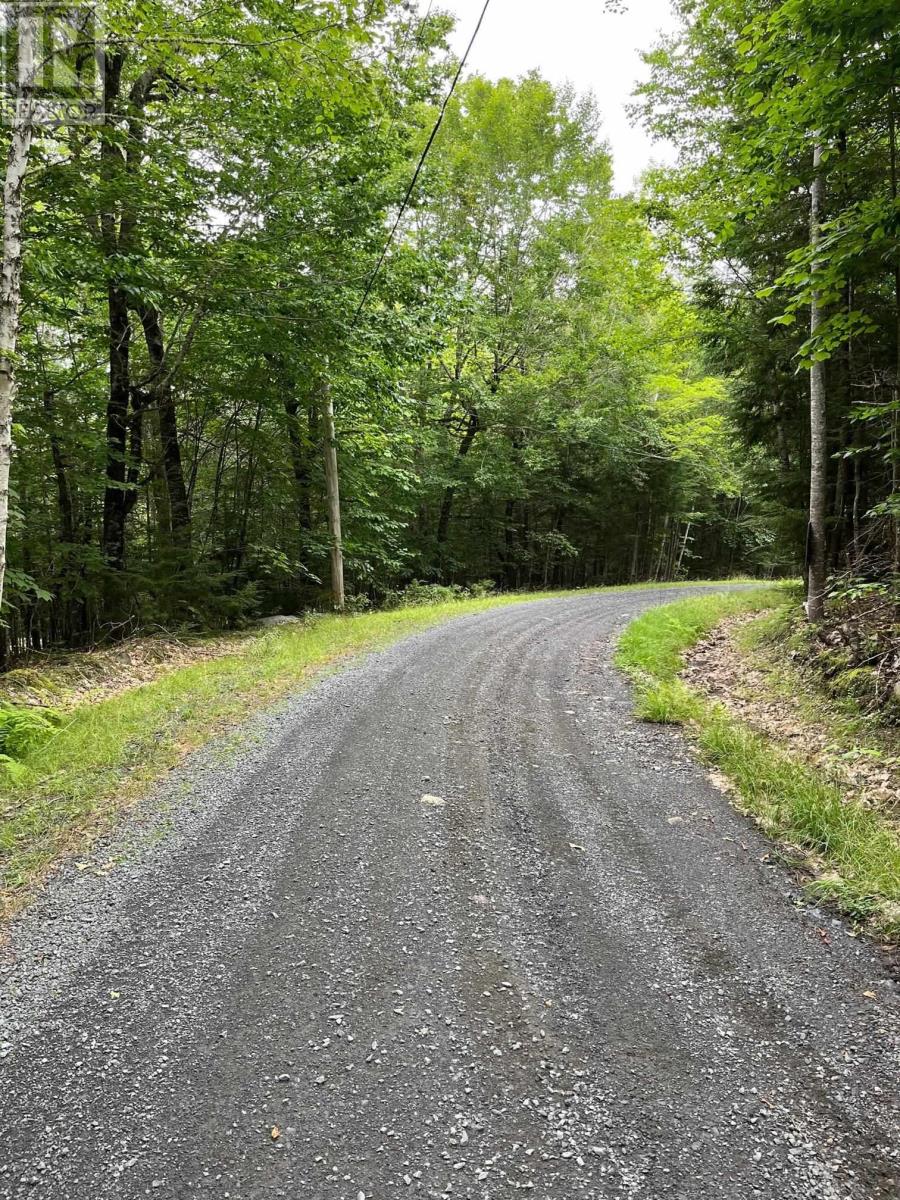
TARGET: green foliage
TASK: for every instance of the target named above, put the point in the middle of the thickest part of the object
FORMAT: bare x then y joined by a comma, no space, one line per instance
22,730
416,594
482,588
746,89
522,399
861,683
667,702
653,646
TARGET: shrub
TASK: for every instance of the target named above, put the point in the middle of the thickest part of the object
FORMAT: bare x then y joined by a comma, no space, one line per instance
417,593
482,587
21,729
359,603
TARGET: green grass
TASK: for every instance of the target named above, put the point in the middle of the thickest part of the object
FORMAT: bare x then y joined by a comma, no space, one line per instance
652,648
856,852
70,784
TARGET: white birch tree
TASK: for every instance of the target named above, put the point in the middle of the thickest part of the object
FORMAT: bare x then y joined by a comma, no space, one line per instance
22,131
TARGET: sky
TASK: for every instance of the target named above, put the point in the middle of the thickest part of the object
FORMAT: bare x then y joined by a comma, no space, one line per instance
573,40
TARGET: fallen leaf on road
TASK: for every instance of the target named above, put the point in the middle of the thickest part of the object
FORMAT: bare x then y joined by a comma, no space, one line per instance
276,1133
434,801
870,995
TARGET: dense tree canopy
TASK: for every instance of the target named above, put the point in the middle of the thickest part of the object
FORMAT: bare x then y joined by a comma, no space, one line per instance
786,114
539,383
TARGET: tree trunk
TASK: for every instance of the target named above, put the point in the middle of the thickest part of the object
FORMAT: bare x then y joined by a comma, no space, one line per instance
115,499
65,500
816,552
839,516
895,471
507,550
246,499
895,417
450,494
11,269
684,545
663,549
160,390
857,509
332,486
299,465
635,551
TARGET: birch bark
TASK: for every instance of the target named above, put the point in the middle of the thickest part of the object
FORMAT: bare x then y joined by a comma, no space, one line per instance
818,475
22,118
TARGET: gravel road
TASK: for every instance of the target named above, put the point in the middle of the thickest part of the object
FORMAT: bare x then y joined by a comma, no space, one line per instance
572,971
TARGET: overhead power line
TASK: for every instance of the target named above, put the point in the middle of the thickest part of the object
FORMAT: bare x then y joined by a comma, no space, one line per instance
415,179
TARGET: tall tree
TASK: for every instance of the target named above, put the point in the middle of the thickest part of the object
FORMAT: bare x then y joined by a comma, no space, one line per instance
818,421
522,399
18,154
741,87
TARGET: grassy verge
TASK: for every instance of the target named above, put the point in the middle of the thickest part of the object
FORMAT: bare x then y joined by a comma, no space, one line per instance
67,785
855,851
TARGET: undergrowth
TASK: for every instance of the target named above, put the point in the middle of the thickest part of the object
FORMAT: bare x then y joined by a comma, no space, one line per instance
856,852
21,730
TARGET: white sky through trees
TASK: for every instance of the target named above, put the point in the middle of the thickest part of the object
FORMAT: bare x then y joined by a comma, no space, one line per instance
573,40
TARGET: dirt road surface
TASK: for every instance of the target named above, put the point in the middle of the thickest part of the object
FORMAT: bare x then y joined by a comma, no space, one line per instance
451,924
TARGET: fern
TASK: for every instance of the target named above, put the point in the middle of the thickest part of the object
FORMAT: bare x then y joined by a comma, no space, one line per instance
21,729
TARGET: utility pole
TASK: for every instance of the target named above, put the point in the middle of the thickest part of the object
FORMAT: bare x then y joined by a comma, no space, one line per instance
333,493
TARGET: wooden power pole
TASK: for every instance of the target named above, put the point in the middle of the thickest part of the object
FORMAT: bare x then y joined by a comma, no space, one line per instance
333,493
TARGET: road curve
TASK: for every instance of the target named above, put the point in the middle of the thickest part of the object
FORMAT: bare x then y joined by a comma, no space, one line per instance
578,976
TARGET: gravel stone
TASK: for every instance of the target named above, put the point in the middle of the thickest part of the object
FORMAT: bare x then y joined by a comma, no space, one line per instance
546,984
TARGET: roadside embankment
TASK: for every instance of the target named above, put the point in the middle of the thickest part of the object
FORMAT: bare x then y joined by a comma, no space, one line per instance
820,778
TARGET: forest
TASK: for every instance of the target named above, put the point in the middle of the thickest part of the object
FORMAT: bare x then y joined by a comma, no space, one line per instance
294,247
